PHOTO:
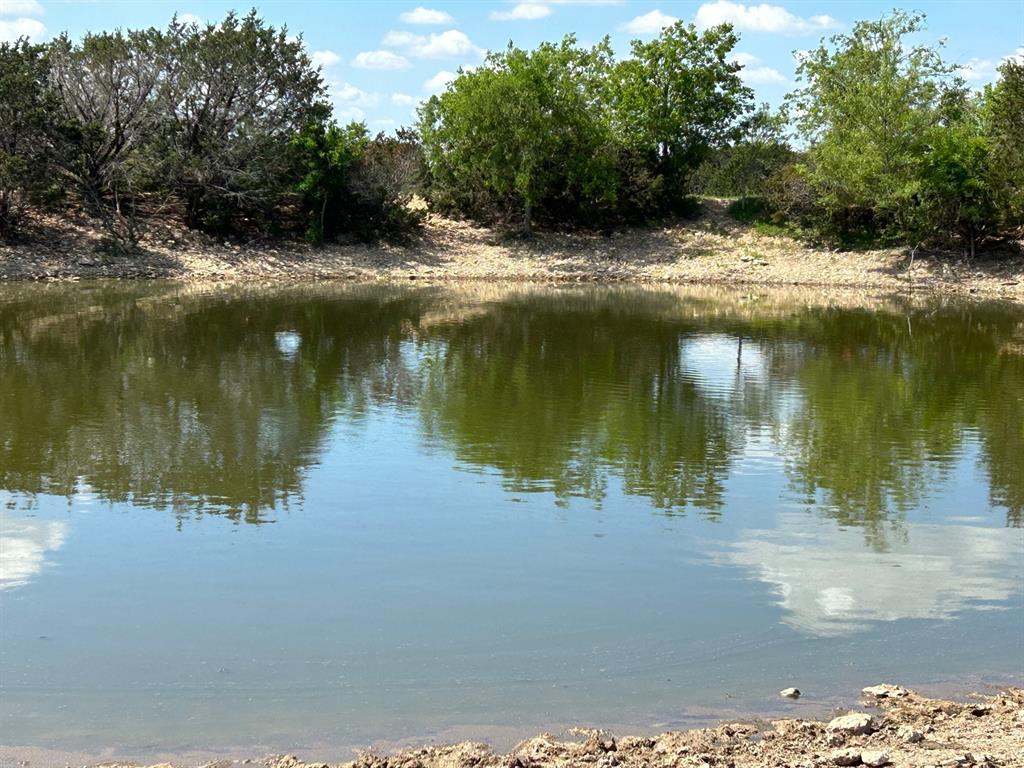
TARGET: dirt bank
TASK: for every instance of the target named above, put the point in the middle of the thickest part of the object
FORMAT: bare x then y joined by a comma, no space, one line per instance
712,249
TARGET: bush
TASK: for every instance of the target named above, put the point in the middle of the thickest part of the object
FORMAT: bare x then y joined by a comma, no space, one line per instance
750,209
26,114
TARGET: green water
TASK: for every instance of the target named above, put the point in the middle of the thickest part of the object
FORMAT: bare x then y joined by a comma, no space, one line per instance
314,517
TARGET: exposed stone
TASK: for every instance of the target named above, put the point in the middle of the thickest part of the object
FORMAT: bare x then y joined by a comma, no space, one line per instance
790,693
908,734
885,691
846,757
875,758
853,724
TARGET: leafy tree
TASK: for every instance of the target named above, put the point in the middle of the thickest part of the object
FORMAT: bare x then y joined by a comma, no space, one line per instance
866,107
745,167
678,97
26,110
954,184
523,128
326,153
233,98
105,86
1004,105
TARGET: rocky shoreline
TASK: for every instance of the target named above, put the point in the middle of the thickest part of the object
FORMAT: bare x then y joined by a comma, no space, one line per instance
890,726
713,249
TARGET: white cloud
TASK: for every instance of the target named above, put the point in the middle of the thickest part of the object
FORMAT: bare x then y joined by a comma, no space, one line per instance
402,39
346,93
983,71
650,23
439,82
421,15
446,45
191,18
761,18
349,114
324,58
753,74
522,12
15,28
402,99
380,60
20,8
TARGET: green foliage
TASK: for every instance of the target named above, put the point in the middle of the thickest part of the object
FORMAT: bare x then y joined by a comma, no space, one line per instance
678,97
564,134
351,183
954,182
866,107
26,112
522,130
238,93
326,153
750,209
1004,127
744,167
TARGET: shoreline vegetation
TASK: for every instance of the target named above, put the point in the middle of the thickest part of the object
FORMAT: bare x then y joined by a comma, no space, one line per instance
713,248
889,726
226,129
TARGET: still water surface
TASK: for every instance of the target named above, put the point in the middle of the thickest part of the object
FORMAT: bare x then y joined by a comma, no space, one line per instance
313,517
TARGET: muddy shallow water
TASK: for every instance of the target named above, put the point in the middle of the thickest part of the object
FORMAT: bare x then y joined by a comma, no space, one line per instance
327,516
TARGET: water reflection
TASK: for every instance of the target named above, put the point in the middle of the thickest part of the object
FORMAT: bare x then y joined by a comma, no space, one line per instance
24,544
220,401
828,584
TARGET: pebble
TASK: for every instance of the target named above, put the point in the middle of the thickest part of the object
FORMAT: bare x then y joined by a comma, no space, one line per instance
875,758
790,693
854,724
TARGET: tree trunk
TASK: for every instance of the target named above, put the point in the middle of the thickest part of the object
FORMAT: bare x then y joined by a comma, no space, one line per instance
528,219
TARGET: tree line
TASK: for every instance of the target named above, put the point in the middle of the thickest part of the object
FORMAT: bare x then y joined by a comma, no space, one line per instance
228,127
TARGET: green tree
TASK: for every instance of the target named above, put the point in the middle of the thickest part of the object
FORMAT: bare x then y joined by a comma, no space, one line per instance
865,108
26,111
1004,105
231,102
520,130
678,97
326,153
745,167
954,184
105,86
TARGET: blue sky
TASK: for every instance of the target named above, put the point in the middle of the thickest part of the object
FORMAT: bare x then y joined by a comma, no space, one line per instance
381,58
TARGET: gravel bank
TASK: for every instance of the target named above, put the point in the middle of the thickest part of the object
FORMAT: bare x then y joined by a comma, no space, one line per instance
713,250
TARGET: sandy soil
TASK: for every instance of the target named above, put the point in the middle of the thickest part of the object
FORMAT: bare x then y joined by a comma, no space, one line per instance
712,249
891,726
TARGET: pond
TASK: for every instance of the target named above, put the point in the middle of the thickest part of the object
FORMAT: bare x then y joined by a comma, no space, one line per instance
317,517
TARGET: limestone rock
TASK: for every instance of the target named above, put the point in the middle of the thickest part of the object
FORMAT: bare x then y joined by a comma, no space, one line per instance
885,691
846,757
852,724
790,693
875,758
909,734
